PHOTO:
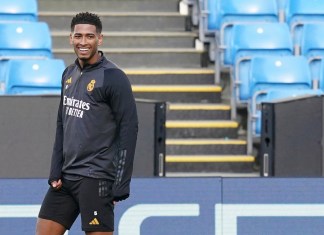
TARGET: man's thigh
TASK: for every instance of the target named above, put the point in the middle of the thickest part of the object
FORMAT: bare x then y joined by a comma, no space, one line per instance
59,206
49,227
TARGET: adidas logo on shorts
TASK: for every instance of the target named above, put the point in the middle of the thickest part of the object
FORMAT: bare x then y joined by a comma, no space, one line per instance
94,222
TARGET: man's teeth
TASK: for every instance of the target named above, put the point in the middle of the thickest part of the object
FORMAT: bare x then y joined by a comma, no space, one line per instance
83,49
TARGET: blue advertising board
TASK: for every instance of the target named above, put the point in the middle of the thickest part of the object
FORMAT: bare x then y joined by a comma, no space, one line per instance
177,206
272,206
157,206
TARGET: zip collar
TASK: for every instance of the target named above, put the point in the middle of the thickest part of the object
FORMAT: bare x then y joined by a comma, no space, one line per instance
89,67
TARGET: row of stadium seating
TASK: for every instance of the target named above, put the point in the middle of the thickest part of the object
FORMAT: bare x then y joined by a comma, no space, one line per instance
217,17
27,66
272,48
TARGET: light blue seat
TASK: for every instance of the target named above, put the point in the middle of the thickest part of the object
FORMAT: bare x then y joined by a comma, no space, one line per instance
260,38
312,46
18,10
273,78
218,17
301,12
248,41
218,14
34,77
232,12
25,39
278,71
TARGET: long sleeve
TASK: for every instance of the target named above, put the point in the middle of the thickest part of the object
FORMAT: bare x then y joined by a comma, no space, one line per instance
57,155
123,105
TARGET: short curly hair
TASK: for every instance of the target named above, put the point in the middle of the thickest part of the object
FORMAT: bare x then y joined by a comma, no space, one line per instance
87,18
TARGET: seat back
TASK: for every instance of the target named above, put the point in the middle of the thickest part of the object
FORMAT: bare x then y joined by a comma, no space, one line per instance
279,72
312,43
312,46
210,6
246,11
300,12
231,11
248,40
25,39
272,72
18,10
34,77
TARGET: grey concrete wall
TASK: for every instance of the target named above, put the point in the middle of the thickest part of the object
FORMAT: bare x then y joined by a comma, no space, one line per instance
27,131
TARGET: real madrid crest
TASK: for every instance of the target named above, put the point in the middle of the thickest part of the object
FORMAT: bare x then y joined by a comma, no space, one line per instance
91,85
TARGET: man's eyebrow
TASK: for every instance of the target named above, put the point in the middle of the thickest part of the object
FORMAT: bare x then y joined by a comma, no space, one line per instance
87,34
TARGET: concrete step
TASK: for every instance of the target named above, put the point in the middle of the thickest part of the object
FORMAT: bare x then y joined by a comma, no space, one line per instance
60,39
206,146
179,93
121,21
145,57
182,111
109,5
171,76
201,129
210,163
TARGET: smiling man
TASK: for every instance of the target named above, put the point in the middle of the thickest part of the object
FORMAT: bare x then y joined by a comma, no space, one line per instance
95,141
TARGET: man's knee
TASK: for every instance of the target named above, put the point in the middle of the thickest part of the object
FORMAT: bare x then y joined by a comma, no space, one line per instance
49,227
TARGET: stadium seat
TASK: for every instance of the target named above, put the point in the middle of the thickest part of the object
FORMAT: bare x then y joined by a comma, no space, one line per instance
273,78
18,10
277,72
301,12
33,77
260,38
312,46
248,41
218,17
25,40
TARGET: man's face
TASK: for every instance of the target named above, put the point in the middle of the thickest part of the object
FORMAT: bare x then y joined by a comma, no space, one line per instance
85,41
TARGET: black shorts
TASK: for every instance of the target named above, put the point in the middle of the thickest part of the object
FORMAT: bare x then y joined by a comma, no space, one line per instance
89,197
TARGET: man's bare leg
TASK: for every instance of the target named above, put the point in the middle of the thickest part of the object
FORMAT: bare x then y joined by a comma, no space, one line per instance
99,233
49,227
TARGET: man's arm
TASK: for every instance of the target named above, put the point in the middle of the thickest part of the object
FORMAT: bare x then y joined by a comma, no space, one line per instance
123,105
57,156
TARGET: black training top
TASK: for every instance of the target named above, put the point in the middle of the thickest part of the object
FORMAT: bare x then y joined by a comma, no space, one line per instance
97,126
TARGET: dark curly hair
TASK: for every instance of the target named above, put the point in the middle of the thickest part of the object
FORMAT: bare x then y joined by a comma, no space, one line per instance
87,18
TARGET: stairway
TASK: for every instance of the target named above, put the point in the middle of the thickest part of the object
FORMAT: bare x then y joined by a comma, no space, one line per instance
155,46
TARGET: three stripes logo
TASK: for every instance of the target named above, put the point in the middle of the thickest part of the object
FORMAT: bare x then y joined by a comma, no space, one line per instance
69,81
94,222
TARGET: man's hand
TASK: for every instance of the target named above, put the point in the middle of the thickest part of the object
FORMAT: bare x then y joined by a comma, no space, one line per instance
57,184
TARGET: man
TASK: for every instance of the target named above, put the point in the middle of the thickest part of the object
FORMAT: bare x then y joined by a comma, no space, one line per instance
95,140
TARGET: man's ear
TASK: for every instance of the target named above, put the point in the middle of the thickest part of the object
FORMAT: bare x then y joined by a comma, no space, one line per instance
100,39
71,41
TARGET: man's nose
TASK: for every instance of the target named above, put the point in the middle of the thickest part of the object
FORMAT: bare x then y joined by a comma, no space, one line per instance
83,40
